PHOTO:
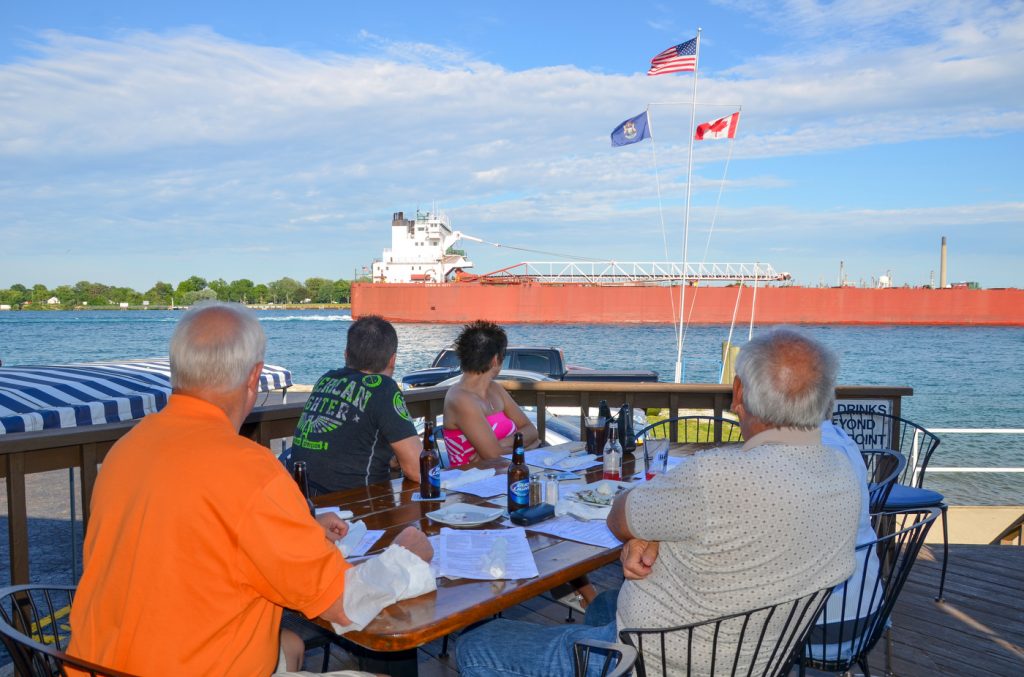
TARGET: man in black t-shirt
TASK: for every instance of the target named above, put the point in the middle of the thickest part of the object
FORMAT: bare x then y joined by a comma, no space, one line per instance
355,420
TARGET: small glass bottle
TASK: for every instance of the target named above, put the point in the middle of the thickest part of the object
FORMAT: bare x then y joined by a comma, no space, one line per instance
613,457
536,489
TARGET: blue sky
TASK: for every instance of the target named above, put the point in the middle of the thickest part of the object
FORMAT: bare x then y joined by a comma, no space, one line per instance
265,139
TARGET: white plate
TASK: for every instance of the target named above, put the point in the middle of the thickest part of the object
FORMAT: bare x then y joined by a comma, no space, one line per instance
589,494
465,515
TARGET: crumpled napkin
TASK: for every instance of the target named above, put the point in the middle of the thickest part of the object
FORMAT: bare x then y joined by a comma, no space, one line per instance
466,477
576,509
392,576
356,531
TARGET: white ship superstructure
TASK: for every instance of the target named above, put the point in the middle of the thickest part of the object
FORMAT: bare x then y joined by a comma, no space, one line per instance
421,250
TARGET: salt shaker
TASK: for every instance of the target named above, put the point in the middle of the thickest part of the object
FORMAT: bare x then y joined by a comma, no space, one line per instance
551,488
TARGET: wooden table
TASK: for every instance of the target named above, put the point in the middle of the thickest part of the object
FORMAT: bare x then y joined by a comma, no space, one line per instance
392,637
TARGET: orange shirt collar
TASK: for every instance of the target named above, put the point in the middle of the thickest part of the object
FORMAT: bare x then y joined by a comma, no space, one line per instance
187,405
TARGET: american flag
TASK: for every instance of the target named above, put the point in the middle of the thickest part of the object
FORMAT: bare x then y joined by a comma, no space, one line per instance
675,59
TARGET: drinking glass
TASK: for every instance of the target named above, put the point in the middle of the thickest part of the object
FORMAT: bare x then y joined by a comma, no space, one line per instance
655,457
597,435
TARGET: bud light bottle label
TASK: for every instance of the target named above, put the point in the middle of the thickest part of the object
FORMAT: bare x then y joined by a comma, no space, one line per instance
519,494
435,478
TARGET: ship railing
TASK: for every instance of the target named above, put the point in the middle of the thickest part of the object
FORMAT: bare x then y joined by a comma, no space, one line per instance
611,272
83,449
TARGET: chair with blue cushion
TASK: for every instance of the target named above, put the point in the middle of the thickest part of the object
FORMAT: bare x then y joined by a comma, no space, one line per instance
918,445
846,632
884,468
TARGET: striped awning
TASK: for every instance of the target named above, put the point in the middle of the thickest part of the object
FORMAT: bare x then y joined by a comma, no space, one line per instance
68,396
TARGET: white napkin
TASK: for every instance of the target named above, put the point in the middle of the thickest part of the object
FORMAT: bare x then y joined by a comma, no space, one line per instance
556,457
585,512
392,576
453,481
576,461
343,514
356,531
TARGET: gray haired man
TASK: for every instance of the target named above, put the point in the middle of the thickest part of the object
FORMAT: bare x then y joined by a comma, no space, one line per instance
728,530
199,537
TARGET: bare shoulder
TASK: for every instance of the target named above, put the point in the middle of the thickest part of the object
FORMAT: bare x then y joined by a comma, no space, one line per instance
458,399
497,391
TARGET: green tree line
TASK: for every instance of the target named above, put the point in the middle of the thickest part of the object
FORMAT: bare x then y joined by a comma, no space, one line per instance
189,291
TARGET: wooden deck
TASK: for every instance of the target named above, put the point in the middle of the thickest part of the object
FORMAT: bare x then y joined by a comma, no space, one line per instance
978,630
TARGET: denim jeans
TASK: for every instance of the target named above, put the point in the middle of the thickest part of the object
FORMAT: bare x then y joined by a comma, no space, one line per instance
516,648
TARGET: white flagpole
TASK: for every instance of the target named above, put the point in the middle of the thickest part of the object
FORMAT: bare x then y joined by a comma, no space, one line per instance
753,302
686,217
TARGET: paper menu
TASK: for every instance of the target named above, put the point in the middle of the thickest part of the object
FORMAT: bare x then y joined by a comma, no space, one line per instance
481,553
485,488
594,532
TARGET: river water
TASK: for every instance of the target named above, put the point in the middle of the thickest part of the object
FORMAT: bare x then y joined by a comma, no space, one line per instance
963,377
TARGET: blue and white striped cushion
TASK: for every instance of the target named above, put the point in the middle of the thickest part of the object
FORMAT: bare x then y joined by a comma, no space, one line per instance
68,396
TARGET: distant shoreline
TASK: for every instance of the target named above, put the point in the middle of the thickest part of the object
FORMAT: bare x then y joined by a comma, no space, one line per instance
254,306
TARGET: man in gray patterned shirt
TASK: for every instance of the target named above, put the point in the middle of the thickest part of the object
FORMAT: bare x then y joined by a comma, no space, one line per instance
726,531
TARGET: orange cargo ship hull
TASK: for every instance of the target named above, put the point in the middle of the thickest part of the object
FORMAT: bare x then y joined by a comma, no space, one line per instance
534,303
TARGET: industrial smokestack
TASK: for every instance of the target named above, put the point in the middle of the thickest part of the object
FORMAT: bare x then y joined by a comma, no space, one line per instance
942,265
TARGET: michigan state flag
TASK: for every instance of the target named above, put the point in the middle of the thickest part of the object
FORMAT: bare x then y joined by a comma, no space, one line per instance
632,130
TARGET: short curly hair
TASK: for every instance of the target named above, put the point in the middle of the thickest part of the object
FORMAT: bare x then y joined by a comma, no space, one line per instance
478,344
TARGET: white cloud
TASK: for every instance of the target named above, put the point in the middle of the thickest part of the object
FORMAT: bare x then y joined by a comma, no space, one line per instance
209,142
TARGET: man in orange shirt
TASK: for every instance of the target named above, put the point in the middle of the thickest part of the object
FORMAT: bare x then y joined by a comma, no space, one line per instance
199,537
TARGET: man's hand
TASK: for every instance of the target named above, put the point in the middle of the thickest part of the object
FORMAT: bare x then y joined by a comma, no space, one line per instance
638,557
335,528
413,540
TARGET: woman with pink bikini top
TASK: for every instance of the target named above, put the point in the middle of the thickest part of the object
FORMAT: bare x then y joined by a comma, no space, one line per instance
480,417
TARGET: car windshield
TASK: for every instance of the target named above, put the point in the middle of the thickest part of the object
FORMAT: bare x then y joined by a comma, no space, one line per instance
447,358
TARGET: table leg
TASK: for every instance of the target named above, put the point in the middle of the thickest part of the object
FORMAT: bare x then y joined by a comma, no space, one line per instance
394,663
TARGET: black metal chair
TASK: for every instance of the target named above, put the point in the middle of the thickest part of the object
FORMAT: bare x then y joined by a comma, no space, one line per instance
35,630
617,661
874,430
884,468
846,632
692,429
762,642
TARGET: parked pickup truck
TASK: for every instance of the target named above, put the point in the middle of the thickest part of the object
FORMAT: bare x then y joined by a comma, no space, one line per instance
547,361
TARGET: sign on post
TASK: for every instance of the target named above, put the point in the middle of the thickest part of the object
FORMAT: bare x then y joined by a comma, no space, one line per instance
867,430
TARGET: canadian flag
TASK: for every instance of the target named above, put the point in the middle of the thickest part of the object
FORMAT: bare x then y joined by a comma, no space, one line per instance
722,128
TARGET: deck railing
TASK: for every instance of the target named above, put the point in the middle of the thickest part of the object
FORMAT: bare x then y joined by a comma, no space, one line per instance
84,448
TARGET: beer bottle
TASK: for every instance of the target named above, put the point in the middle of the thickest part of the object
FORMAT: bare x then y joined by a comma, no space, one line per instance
605,412
627,438
518,477
302,479
430,464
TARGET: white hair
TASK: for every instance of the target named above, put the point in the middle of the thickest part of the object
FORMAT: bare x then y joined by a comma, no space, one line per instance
788,379
215,345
